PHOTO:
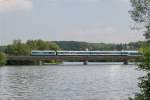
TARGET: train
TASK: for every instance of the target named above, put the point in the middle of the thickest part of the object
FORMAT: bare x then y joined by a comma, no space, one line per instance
84,53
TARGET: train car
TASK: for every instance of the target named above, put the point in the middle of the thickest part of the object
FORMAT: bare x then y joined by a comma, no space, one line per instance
92,53
83,53
73,53
108,53
43,53
134,53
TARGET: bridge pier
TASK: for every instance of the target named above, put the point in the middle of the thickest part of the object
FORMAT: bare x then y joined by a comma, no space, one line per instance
40,63
125,62
85,62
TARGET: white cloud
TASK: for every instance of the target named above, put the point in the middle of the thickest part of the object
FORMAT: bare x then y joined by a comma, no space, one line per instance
9,5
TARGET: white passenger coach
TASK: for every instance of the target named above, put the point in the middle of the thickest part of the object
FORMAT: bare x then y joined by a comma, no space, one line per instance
82,53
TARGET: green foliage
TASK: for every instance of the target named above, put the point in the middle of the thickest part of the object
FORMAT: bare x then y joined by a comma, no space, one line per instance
141,10
2,59
42,45
144,83
137,97
2,48
67,45
145,89
53,46
141,14
74,45
18,48
38,45
145,65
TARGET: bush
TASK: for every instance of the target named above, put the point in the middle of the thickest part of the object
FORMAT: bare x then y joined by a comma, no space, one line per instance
144,83
18,49
2,59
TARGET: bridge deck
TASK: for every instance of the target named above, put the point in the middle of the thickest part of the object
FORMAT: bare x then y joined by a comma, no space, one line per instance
74,58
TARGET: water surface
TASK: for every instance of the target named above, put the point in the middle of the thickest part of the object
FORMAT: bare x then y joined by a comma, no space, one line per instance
68,82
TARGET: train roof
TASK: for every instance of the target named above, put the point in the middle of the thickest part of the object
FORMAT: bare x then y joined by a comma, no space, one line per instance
99,51
84,51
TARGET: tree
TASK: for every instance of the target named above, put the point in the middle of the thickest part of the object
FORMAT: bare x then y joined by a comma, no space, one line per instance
53,46
2,59
144,83
141,14
42,45
18,48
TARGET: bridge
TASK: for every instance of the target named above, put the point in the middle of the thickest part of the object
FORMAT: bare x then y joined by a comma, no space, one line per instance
39,60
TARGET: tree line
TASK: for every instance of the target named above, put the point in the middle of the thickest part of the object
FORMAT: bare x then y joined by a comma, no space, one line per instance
76,45
19,48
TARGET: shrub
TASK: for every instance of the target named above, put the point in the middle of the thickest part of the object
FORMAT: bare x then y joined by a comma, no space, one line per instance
2,59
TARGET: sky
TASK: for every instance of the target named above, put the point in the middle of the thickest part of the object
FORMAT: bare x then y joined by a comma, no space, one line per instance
106,21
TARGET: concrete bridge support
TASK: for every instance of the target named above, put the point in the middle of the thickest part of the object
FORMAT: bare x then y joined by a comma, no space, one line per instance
40,63
125,62
85,62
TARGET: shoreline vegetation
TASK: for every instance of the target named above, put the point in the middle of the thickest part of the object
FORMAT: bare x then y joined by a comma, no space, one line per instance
2,58
140,14
144,81
18,48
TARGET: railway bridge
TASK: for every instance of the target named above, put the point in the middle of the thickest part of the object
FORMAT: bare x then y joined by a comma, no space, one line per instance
76,58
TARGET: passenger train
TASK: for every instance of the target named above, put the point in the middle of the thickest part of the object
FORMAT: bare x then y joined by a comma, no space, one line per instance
83,53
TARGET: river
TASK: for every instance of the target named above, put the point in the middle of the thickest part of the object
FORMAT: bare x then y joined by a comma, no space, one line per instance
69,82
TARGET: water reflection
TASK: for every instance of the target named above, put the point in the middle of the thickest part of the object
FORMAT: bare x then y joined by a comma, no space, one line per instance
92,82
